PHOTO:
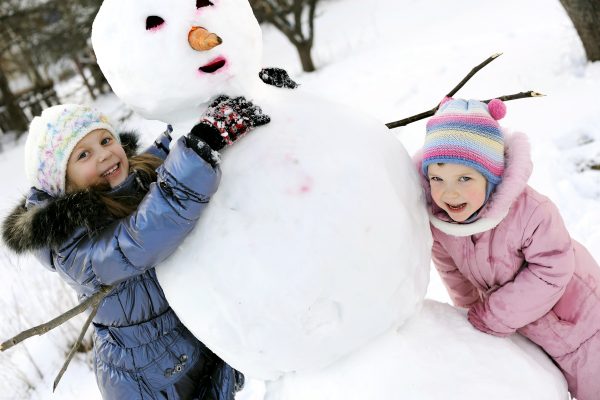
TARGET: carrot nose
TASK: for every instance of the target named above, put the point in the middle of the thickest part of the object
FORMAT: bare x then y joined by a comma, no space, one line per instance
201,40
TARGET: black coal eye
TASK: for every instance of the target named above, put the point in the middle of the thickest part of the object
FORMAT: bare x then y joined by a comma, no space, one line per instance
203,3
153,22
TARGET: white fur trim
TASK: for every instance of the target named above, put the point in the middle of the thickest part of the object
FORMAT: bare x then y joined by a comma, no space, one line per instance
455,229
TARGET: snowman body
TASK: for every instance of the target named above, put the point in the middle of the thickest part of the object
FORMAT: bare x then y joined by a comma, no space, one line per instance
316,241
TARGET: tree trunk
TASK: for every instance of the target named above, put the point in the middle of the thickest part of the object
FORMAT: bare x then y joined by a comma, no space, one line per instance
585,15
18,119
304,51
86,82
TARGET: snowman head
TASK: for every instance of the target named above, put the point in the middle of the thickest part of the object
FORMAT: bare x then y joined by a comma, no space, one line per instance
166,58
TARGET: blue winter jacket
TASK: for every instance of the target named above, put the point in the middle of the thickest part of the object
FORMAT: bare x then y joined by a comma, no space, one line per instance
142,350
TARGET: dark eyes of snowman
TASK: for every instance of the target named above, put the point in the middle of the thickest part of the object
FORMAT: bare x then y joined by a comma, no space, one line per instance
203,3
154,22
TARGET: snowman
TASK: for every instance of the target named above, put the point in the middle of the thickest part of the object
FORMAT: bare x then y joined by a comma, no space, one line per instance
313,257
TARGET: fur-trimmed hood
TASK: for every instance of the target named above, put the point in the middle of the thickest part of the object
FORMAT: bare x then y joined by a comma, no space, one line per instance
514,180
41,221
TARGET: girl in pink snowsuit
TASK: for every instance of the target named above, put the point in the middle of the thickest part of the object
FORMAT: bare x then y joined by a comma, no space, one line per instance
502,248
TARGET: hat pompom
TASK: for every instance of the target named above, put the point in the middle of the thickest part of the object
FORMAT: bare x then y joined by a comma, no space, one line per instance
497,109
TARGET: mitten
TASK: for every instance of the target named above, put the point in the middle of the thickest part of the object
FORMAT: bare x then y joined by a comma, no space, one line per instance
474,317
226,120
277,77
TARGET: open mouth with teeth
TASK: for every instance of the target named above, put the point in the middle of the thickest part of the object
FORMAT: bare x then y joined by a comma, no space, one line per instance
114,170
456,208
213,66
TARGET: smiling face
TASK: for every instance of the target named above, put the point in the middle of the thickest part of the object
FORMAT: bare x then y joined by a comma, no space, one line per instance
166,58
97,159
457,189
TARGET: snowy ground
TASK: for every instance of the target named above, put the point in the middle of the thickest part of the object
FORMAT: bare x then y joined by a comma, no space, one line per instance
391,59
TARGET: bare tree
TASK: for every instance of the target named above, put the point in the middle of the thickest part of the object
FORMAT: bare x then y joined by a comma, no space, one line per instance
585,15
295,19
16,118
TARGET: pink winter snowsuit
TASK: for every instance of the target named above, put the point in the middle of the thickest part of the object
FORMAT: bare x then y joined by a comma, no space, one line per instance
517,269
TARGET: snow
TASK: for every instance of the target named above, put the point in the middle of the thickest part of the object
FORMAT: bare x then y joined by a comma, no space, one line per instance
396,363
390,59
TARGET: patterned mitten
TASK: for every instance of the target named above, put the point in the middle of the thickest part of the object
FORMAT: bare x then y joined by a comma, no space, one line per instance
226,120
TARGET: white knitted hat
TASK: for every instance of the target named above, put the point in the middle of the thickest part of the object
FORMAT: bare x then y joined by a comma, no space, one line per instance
51,139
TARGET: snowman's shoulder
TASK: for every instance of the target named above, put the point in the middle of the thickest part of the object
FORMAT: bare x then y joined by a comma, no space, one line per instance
306,107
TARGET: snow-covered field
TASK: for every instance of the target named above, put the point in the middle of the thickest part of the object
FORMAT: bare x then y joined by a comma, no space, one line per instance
391,59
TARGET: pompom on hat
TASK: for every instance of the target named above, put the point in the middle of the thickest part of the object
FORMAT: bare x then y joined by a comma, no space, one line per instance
467,132
51,140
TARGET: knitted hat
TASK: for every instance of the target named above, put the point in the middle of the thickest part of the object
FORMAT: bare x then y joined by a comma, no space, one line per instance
467,132
51,139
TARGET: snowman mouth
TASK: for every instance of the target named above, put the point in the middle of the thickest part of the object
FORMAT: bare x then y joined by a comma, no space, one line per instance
457,207
213,66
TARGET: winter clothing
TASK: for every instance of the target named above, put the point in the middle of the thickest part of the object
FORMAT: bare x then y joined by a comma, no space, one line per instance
142,350
277,77
226,120
465,132
51,139
517,269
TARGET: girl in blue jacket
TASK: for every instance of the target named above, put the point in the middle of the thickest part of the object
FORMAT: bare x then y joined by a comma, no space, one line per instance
100,215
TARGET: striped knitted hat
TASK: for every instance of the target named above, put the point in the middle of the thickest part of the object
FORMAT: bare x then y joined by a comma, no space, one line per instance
51,139
467,132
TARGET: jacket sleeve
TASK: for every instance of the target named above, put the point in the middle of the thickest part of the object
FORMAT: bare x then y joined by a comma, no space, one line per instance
165,216
550,263
160,146
461,291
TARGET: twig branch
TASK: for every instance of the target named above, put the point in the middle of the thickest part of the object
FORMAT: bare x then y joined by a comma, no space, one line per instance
516,96
75,347
430,113
472,73
39,330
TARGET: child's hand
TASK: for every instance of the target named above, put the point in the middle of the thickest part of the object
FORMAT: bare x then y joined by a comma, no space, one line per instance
226,120
475,318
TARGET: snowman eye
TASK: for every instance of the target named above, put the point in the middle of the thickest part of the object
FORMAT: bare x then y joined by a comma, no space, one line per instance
154,22
203,3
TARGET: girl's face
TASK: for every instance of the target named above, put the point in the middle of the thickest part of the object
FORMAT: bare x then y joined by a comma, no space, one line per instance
457,189
97,159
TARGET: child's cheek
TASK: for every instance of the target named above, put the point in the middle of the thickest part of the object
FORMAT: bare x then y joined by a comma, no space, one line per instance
435,195
475,196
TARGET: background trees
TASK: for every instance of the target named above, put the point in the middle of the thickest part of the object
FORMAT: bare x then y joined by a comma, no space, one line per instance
295,19
35,37
585,15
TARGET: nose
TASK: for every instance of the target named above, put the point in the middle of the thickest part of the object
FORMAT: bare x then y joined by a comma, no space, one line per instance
201,39
103,155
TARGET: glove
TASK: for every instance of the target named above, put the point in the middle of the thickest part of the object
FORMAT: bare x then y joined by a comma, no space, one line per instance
226,120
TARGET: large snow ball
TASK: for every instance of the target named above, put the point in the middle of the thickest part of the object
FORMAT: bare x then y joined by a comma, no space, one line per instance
144,51
436,355
316,242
